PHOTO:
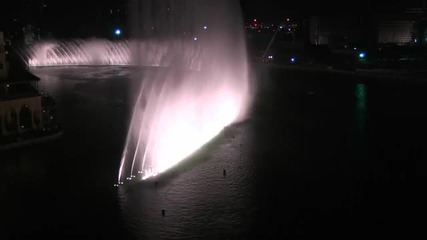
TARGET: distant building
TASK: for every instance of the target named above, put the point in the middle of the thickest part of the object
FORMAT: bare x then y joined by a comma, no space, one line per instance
419,26
395,32
407,28
319,33
334,31
20,101
4,67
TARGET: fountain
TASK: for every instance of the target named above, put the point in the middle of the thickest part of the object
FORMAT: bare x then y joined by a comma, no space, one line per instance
201,87
77,52
196,86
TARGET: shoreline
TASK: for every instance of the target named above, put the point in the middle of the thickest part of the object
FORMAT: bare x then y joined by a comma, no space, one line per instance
30,142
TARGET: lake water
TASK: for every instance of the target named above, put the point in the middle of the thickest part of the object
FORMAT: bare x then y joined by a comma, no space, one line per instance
321,154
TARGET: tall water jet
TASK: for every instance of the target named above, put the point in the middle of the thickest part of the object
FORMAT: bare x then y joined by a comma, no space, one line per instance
201,88
77,53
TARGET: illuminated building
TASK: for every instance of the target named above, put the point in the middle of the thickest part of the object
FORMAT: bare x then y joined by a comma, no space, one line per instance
21,108
334,31
395,32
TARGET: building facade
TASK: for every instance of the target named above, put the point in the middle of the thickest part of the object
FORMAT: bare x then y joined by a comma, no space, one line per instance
20,101
395,32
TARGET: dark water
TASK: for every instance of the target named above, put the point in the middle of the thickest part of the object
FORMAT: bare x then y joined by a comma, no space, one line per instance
322,154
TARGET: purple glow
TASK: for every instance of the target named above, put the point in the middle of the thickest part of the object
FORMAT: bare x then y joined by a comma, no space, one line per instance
195,90
202,89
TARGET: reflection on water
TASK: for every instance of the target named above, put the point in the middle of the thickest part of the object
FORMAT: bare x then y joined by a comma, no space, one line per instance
361,105
200,202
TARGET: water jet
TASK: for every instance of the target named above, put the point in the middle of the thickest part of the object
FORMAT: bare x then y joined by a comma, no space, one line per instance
202,88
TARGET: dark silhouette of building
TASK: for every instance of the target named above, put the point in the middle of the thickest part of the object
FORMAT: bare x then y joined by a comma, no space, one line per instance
23,110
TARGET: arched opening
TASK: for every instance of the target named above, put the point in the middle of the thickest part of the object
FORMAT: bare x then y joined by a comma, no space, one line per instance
25,118
1,125
11,121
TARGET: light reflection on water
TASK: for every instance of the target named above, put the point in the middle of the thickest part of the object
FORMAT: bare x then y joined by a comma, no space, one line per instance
361,94
200,202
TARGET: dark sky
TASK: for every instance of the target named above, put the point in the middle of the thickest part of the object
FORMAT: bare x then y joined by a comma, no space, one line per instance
81,16
273,9
65,17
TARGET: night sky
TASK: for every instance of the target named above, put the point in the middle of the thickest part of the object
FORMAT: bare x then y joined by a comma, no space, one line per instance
272,9
83,17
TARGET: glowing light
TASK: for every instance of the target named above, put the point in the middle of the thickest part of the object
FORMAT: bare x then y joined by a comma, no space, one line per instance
179,120
362,55
205,27
117,32
92,52
187,103
361,104
293,60
195,137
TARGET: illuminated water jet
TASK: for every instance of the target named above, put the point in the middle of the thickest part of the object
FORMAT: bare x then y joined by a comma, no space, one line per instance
97,52
202,88
78,52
